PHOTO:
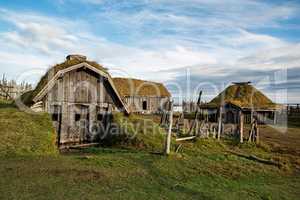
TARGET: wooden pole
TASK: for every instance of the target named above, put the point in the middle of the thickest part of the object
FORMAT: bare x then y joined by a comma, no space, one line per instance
196,127
162,120
196,113
256,133
59,126
220,122
214,133
251,116
241,126
185,138
179,122
168,139
252,132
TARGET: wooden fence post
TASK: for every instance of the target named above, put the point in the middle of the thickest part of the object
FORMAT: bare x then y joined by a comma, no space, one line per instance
252,116
168,139
196,113
257,133
214,132
252,132
220,122
241,126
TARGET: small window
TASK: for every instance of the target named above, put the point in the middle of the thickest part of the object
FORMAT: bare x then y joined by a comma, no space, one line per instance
77,117
144,105
100,117
55,117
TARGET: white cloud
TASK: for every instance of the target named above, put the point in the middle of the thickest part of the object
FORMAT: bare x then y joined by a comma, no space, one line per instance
93,1
248,39
164,37
287,55
197,14
49,37
39,32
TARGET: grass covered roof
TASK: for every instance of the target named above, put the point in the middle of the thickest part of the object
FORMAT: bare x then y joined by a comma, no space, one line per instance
244,96
53,70
136,87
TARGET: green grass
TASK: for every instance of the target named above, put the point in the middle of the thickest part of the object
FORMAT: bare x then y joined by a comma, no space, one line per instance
139,133
204,169
25,134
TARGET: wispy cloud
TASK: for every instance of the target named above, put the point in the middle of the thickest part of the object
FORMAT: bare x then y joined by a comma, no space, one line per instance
55,37
196,14
158,39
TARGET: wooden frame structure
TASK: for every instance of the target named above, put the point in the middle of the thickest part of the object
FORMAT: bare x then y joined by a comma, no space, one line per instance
80,98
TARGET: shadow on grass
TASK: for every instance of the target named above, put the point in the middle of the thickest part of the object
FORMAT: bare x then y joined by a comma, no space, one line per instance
7,105
106,150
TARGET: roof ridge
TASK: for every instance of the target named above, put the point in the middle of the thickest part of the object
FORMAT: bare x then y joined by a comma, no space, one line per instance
144,87
137,79
56,68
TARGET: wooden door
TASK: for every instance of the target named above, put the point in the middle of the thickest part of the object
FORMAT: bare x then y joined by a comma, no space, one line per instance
56,115
101,122
82,122
85,123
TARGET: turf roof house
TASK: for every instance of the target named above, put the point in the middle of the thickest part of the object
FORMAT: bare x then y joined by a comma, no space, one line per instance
80,95
142,96
245,98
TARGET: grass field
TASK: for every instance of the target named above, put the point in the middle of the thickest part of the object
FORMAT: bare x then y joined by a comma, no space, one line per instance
25,134
204,169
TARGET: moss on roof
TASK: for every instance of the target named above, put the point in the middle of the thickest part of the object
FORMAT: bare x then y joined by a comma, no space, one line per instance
53,70
243,96
136,87
125,86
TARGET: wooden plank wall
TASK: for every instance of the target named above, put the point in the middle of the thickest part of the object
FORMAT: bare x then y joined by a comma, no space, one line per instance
77,88
135,103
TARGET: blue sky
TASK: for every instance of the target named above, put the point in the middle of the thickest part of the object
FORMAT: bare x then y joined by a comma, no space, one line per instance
216,42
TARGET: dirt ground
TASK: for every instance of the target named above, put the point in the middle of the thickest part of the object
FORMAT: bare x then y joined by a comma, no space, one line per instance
283,140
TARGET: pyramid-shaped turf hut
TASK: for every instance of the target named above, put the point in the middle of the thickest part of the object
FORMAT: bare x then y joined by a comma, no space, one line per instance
245,96
242,97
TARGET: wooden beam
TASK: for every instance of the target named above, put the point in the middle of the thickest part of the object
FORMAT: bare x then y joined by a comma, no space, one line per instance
196,112
78,146
241,126
185,138
252,132
257,134
59,126
178,148
220,122
251,120
168,139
